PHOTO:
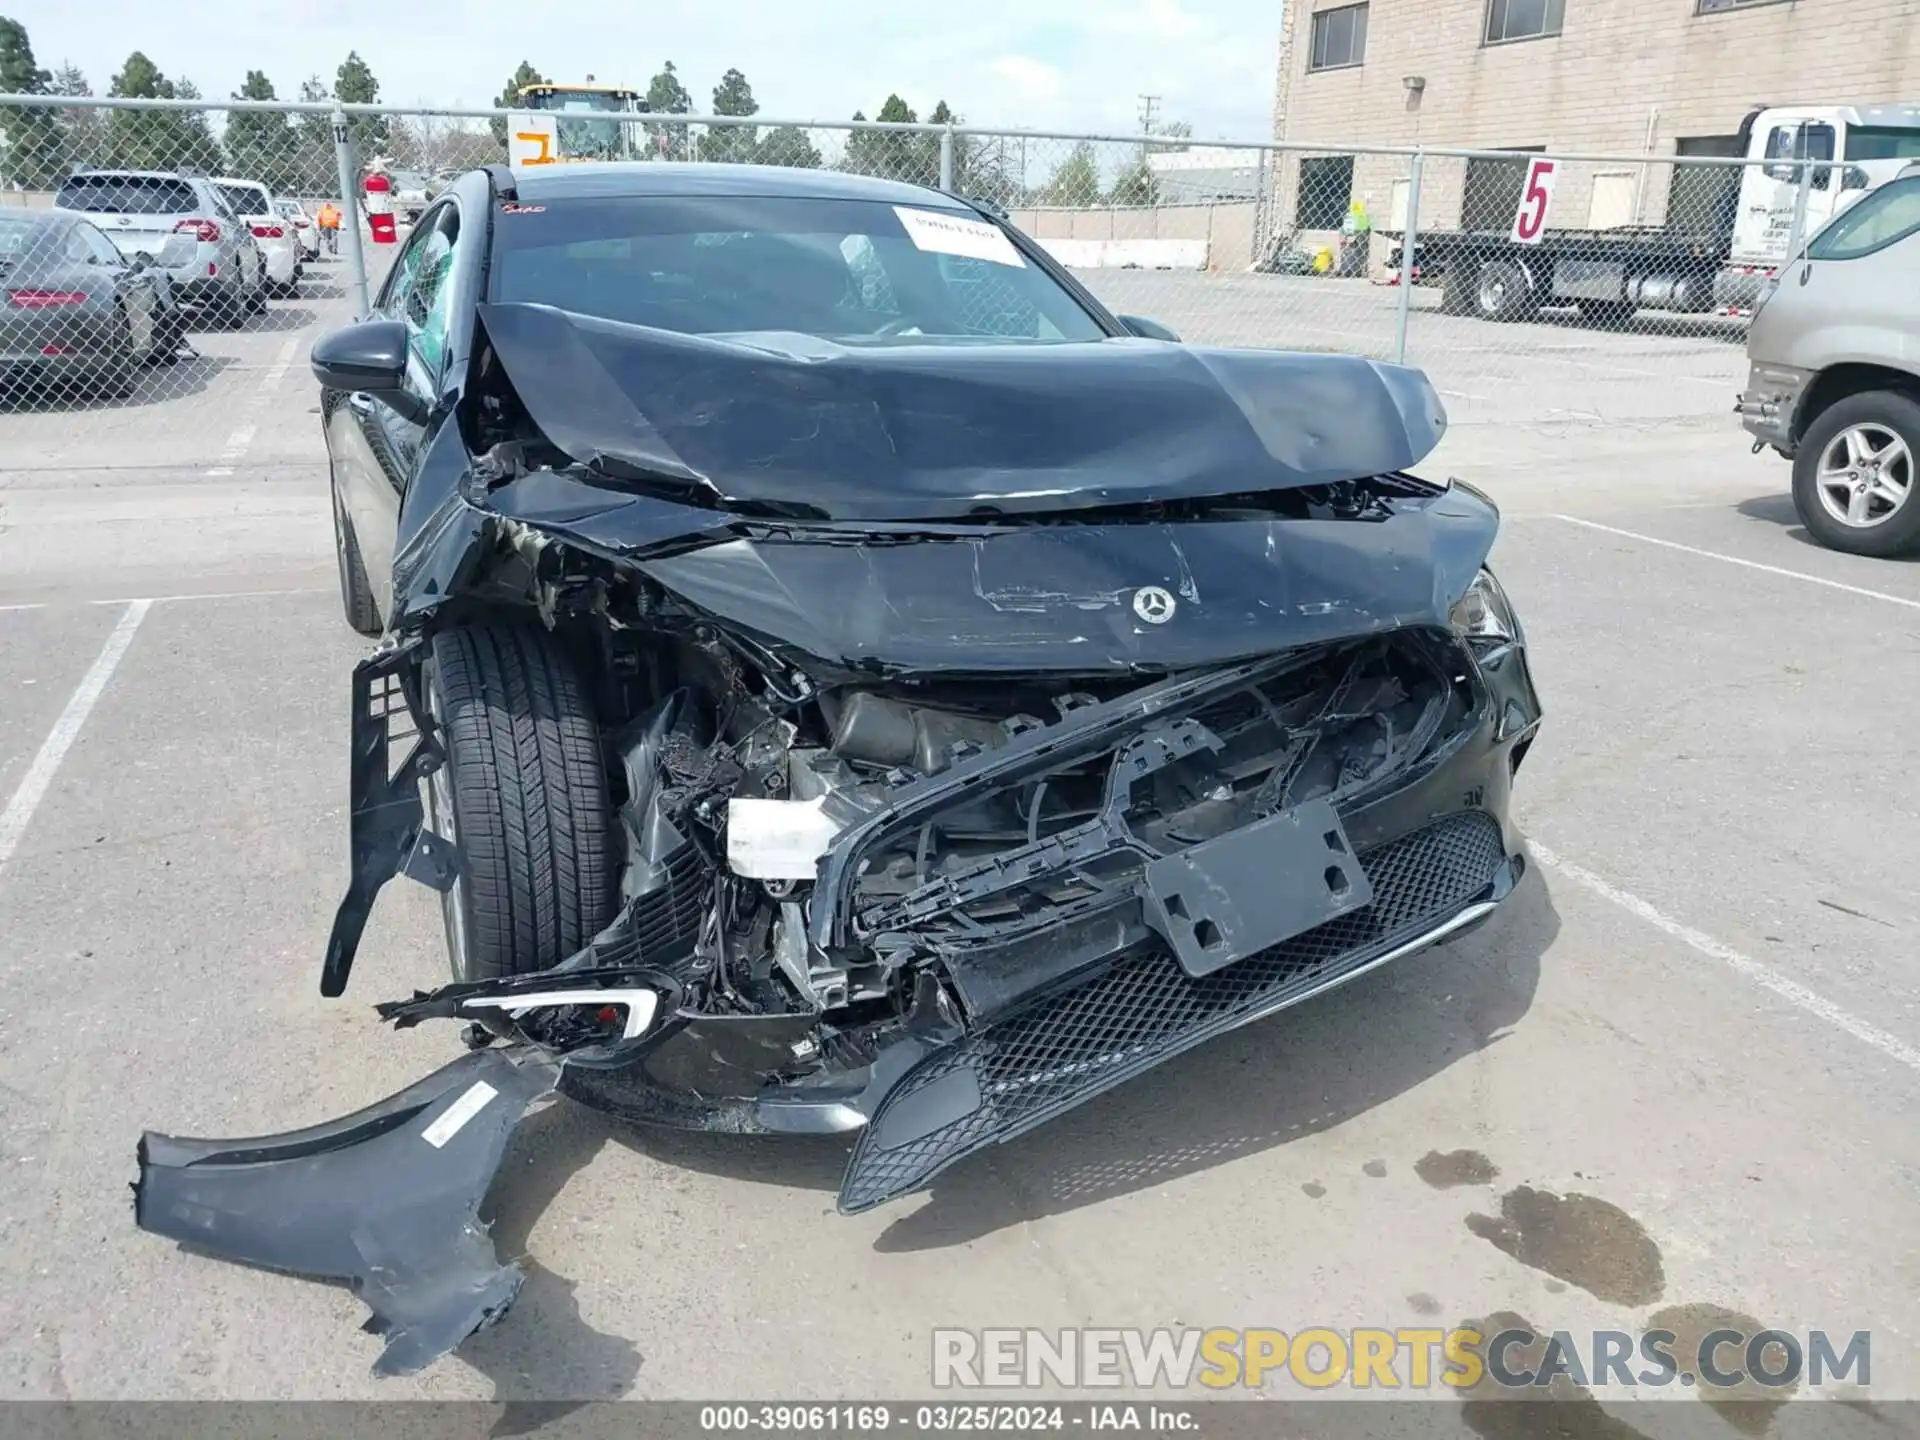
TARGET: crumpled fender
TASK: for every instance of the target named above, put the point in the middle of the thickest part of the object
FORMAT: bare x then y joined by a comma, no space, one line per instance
386,1198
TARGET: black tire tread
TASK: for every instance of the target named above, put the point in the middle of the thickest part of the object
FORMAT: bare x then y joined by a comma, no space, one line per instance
529,794
356,594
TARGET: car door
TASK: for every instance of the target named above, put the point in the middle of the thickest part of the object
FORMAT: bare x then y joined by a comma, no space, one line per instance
88,246
375,448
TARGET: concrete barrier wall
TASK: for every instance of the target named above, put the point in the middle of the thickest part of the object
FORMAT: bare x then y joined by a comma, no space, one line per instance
26,199
1225,231
1128,254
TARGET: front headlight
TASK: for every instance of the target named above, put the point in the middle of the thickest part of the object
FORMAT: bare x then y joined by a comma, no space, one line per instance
1483,617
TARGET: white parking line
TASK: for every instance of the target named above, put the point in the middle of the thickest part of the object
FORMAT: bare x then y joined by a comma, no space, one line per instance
1908,602
236,447
33,785
1765,976
219,595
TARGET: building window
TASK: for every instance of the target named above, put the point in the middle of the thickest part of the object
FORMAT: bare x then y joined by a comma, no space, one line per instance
1523,19
1492,192
1326,190
1714,7
1340,37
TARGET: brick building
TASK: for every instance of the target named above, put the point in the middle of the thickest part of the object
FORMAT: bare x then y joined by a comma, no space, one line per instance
1622,77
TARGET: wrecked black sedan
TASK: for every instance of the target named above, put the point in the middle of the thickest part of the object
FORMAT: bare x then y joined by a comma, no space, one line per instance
840,678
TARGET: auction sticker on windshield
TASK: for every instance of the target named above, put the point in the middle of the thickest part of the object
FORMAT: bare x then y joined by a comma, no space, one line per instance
957,235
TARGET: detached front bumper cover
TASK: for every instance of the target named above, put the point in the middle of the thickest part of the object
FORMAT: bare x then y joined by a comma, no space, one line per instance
386,1198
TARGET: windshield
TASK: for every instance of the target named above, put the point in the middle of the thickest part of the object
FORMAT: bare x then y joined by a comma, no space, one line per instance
1883,142
1885,215
845,270
127,195
245,199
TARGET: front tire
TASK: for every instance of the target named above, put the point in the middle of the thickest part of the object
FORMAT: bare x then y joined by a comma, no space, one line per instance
116,377
1854,475
356,595
524,795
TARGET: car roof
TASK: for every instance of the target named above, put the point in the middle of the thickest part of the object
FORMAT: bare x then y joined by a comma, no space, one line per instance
107,174
622,179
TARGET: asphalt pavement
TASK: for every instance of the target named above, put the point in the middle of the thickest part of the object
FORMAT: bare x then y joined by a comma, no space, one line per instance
1699,1012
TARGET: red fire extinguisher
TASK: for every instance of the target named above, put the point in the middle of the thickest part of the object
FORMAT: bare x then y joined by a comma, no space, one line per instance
379,190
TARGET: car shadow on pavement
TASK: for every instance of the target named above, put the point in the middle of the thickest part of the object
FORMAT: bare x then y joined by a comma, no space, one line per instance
1778,509
191,373
1683,326
1297,1073
544,1359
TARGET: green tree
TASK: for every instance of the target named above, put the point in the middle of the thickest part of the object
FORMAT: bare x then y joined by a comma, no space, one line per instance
881,152
318,169
261,144
732,144
353,84
667,96
788,145
83,133
158,139
31,149
1076,182
1136,185
509,97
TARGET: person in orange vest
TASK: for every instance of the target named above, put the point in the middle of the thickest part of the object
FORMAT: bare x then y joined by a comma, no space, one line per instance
329,222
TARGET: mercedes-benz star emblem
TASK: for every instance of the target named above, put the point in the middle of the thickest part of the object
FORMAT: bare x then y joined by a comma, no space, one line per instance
1154,605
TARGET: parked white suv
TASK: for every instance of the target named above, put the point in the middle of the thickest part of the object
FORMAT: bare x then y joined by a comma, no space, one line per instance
278,241
182,222
304,230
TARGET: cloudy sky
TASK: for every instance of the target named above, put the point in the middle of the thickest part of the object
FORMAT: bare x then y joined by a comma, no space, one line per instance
1055,64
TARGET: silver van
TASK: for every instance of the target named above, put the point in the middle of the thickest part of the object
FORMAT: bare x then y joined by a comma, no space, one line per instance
1834,377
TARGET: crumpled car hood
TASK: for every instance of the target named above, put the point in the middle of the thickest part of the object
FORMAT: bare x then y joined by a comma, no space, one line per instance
944,431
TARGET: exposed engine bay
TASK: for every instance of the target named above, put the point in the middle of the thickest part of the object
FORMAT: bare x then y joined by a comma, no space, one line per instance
737,782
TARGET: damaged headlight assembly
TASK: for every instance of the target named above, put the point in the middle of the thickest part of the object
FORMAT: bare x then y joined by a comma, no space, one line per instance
1484,617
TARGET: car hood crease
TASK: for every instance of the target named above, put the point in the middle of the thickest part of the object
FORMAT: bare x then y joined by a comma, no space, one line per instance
912,431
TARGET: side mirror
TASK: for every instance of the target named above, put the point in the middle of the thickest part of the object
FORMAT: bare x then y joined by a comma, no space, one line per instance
1147,329
1853,178
369,357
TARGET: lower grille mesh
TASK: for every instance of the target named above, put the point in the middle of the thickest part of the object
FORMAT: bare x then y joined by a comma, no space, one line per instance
1148,1009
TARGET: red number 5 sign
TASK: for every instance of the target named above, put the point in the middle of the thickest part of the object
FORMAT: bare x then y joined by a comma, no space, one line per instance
1530,219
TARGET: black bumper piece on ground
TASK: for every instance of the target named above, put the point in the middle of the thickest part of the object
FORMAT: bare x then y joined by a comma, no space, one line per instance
386,1198
1003,1081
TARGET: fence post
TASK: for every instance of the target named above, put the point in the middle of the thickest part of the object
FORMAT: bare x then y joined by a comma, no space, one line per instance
350,214
1409,236
1799,231
946,158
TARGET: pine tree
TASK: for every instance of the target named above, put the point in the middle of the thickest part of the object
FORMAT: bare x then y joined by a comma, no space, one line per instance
261,144
667,96
734,144
31,150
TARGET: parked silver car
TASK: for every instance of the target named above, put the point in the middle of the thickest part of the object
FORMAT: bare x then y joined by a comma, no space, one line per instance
1834,382
209,254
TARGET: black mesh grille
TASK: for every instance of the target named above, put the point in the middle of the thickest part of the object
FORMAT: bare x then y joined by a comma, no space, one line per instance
662,925
1146,1010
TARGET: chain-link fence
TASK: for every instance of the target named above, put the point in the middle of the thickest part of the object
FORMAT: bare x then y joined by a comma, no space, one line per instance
1538,289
